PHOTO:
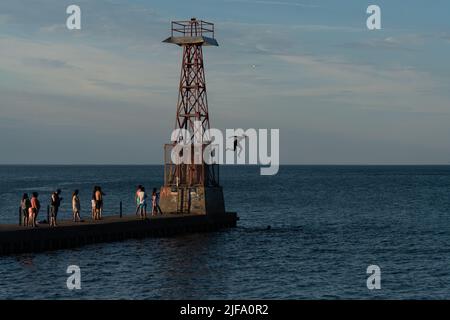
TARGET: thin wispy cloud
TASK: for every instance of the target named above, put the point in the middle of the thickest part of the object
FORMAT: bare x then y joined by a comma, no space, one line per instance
4,18
47,63
342,76
275,3
445,36
405,42
53,28
69,69
283,28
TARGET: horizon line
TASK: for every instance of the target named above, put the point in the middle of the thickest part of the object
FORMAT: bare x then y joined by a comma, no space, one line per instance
241,165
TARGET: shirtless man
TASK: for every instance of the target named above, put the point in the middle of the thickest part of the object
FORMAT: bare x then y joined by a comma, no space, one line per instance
237,143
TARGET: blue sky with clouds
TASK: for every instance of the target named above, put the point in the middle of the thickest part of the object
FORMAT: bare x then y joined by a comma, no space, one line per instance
339,93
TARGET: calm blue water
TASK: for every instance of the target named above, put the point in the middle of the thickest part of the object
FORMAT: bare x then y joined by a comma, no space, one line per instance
328,224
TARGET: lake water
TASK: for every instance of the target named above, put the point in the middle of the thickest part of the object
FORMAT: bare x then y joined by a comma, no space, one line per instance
328,224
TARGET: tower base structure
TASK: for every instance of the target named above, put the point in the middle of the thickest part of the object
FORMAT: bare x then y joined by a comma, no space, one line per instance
199,200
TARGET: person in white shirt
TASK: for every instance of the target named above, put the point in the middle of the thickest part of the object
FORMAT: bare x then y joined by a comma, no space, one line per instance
142,198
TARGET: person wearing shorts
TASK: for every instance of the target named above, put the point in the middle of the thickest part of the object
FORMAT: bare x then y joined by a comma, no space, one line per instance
55,202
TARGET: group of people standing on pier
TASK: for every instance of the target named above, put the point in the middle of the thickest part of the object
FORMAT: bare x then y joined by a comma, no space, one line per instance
30,208
141,202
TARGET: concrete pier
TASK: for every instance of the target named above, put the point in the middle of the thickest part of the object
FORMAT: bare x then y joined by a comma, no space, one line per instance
68,234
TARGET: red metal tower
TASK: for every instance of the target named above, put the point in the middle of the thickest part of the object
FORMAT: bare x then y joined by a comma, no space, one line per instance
192,99
192,187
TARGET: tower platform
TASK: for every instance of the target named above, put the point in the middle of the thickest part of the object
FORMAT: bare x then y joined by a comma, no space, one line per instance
206,41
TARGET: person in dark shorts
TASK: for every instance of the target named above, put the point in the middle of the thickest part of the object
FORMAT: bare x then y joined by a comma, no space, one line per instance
136,199
55,203
25,205
98,203
101,203
142,198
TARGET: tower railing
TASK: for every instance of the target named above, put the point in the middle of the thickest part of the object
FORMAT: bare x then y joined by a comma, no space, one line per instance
192,28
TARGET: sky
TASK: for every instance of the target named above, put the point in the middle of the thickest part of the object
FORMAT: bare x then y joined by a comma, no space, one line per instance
338,92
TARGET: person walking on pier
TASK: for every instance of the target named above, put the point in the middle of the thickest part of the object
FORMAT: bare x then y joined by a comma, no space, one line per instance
25,205
55,202
142,198
35,207
76,206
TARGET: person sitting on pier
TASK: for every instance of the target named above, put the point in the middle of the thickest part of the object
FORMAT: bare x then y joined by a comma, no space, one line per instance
142,198
76,207
136,199
25,205
34,210
55,202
